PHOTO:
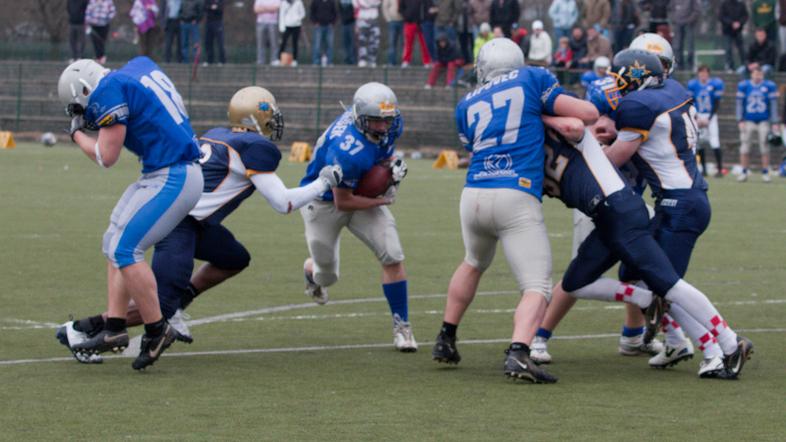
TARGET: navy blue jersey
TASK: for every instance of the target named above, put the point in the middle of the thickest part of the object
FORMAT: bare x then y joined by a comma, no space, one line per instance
500,123
757,102
706,96
344,145
229,160
664,119
141,97
580,176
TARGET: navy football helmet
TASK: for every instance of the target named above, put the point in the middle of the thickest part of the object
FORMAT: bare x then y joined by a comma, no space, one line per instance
633,70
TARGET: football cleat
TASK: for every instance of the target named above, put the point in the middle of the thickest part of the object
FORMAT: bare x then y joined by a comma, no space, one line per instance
712,368
652,317
178,321
68,335
102,342
445,350
765,177
742,177
539,351
735,361
403,339
671,356
317,293
635,346
518,365
152,347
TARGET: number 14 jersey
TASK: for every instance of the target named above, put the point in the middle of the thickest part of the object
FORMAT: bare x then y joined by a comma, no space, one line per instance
500,123
141,97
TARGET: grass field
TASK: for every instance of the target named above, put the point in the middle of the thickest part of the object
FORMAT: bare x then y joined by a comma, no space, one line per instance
282,368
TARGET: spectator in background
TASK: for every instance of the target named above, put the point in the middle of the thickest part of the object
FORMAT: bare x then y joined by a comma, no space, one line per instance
578,45
480,11
290,19
596,12
563,56
763,16
685,17
600,68
76,28
346,13
323,15
733,15
190,15
623,23
447,57
447,17
782,31
563,14
395,29
503,14
98,15
144,15
540,46
597,46
267,31
214,30
368,31
659,17
428,25
171,13
757,107
484,36
464,30
761,54
413,12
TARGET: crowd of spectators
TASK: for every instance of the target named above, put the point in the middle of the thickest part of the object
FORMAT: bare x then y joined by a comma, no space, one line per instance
572,34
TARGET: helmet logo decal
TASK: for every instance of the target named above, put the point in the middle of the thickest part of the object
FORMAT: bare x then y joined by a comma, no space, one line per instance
637,72
264,106
387,108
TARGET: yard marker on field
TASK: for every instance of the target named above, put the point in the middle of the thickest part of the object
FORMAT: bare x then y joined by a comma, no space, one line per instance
7,140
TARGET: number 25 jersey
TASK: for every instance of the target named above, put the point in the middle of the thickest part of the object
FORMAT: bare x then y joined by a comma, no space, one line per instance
141,97
500,123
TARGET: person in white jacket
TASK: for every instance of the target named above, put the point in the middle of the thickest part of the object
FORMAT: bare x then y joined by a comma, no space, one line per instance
563,14
290,18
367,24
539,46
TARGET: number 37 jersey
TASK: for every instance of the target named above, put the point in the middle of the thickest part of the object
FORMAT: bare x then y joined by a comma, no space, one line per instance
500,123
141,97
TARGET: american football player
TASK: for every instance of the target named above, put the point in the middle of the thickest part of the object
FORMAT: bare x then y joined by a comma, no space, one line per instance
236,161
599,70
757,113
360,138
500,123
139,107
707,92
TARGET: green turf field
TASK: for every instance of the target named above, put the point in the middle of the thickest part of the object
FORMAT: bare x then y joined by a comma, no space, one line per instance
307,372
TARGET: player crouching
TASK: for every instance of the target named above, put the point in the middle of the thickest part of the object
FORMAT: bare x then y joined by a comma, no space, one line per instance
361,138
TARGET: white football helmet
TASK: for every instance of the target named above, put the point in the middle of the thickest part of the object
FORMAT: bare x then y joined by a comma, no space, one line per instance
77,82
657,45
601,63
374,101
497,57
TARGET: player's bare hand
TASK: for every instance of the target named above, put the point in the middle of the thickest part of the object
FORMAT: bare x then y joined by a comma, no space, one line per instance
399,169
332,175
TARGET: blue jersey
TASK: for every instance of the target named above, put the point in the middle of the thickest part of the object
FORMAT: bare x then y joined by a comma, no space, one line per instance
141,97
500,123
597,94
706,96
588,78
757,102
664,119
229,160
344,145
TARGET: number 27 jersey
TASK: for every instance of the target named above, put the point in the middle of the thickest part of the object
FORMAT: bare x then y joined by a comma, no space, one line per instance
500,123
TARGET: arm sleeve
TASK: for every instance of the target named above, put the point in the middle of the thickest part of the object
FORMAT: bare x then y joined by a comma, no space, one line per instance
633,116
107,106
260,157
551,89
773,97
352,171
740,102
284,200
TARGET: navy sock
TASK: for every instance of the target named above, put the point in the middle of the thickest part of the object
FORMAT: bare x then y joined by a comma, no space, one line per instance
115,325
543,333
155,328
188,296
449,329
396,294
629,332
518,346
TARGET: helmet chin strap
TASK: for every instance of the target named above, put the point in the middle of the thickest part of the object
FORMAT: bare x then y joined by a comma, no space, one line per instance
256,124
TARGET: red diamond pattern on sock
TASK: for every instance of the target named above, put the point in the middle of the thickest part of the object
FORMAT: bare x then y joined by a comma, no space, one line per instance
627,291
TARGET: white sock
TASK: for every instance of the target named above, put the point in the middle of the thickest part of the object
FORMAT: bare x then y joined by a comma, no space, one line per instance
611,290
703,339
674,335
696,304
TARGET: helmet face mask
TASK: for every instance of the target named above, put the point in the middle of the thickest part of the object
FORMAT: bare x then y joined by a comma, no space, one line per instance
254,108
633,70
374,110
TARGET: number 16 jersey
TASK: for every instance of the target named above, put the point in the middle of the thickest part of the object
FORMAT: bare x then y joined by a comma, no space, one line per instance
141,97
500,123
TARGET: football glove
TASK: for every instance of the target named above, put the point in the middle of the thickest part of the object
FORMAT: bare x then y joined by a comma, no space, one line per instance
77,124
399,169
332,175
390,194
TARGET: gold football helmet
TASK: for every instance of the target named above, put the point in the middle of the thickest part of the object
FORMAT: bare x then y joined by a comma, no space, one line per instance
254,108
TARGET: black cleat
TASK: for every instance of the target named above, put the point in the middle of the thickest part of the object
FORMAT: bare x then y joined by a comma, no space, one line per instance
652,317
66,334
152,348
734,362
518,365
102,342
445,350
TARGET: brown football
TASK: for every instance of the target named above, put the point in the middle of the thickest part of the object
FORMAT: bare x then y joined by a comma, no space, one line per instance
375,182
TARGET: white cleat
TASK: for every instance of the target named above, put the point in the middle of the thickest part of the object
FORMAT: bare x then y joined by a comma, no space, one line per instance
741,178
711,368
635,346
316,292
69,336
671,356
539,352
178,322
403,339
766,178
